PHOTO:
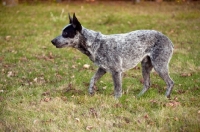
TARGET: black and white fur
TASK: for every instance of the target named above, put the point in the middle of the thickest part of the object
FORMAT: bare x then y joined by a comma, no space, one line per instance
120,52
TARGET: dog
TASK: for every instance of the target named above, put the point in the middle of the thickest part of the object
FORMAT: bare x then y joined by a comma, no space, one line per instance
118,53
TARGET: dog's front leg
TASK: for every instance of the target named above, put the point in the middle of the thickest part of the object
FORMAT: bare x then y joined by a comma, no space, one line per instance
117,79
100,72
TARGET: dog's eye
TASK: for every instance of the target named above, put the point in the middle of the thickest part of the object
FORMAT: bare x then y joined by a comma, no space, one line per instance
69,34
65,34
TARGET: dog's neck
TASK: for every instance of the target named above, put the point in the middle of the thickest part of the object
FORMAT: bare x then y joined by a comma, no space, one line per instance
89,42
92,37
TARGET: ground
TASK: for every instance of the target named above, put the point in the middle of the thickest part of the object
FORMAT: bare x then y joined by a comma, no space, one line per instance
45,89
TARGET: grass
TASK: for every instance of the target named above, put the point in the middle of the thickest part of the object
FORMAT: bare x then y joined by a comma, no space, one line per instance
45,89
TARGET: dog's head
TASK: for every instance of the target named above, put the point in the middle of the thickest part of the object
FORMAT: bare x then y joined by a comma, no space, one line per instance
70,34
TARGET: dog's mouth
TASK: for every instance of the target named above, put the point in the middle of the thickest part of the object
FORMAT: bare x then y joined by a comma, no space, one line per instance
61,46
57,44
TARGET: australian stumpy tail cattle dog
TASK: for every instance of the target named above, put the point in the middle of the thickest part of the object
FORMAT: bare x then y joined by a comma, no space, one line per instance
119,52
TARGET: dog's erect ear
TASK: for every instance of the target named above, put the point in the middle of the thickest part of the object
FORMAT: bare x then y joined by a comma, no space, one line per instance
76,23
70,19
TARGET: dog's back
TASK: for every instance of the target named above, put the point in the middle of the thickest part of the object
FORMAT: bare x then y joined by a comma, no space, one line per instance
124,51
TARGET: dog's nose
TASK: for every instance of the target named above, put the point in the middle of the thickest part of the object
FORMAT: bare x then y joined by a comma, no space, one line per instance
53,41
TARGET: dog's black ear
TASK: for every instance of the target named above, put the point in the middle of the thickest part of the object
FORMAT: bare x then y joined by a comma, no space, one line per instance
76,23
70,19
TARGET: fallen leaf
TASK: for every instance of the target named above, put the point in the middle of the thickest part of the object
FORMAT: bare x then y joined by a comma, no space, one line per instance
181,91
1,98
8,37
129,22
183,75
95,88
101,82
1,59
93,112
73,66
170,104
44,47
176,119
176,98
198,111
153,101
35,79
46,93
39,80
189,74
6,66
118,105
119,125
139,121
196,88
59,76
86,66
47,99
137,68
155,73
10,74
19,118
23,59
173,104
193,99
50,55
47,121
141,80
186,74
89,128
64,98
104,88
77,119
127,120
146,116
171,32
35,121
155,85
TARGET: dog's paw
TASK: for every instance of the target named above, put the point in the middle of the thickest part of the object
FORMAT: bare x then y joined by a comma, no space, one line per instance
168,96
118,95
91,94
91,91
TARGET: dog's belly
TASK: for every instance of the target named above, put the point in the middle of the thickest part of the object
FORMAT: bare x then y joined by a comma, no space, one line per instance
120,61
131,61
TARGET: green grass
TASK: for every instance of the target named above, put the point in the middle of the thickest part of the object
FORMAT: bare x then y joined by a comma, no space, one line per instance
45,89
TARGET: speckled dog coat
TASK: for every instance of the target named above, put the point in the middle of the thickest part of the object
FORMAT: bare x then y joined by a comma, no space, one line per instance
120,52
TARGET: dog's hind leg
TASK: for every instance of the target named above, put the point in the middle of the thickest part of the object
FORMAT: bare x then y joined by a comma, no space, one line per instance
160,56
161,67
100,72
165,76
146,69
117,79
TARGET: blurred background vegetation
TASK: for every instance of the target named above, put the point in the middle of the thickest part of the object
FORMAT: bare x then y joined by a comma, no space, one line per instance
16,2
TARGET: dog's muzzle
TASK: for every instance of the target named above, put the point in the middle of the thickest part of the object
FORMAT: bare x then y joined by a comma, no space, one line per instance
57,44
54,41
